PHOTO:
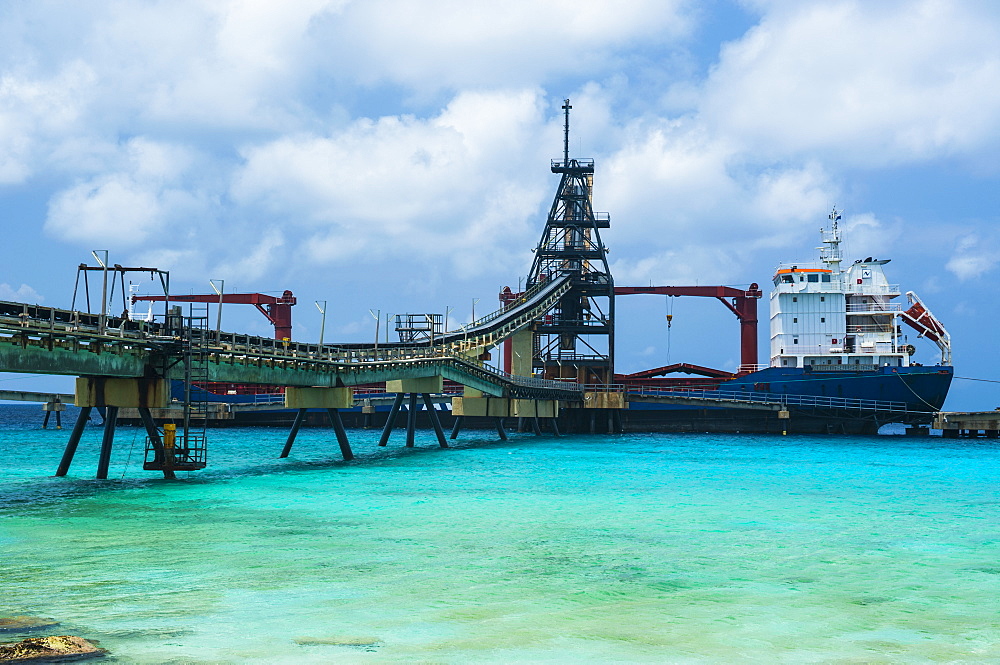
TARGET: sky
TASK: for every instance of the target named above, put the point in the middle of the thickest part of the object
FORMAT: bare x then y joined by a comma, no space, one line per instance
393,156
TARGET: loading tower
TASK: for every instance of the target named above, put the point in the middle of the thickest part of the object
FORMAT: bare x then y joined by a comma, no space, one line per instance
576,339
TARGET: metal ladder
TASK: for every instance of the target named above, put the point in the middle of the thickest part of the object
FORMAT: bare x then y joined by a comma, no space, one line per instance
186,450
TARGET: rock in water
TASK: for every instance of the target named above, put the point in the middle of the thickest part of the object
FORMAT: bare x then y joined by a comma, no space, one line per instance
50,649
23,624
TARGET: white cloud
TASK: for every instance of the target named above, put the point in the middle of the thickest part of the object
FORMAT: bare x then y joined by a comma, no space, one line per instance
688,265
866,234
399,185
974,256
24,293
36,113
451,43
686,205
861,83
254,264
128,206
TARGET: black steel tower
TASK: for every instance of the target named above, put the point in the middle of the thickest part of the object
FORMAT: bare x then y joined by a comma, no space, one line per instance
576,339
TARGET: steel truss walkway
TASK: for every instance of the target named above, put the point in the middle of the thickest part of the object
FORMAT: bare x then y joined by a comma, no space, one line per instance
45,340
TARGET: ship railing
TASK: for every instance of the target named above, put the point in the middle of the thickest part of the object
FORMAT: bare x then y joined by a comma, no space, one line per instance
872,289
853,329
803,350
874,307
777,398
746,368
802,265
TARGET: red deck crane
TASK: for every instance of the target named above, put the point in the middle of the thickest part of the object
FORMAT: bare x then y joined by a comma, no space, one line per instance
741,303
277,310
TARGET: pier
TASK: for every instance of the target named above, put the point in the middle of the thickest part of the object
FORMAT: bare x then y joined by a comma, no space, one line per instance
968,424
556,371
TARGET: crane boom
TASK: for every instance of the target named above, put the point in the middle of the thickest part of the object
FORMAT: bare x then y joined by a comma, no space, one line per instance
277,310
741,303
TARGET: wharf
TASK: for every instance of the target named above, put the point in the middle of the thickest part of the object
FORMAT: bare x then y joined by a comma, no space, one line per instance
955,424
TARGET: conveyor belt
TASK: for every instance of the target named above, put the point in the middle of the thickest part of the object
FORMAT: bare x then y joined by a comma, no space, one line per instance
46,340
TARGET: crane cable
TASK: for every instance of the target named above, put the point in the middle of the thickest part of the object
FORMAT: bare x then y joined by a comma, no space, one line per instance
670,318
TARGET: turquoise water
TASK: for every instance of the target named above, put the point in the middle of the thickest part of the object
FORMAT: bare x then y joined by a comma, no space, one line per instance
631,548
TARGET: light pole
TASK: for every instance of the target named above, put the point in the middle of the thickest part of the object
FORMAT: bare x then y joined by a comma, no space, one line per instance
322,321
220,289
104,290
378,319
447,311
474,301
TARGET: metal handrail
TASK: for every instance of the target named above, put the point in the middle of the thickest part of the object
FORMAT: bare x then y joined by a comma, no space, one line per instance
777,398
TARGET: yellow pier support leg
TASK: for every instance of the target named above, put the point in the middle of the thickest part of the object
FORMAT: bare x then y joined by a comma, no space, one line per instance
169,442
427,384
522,346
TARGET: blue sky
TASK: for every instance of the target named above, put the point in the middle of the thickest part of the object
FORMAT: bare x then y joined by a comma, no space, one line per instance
393,155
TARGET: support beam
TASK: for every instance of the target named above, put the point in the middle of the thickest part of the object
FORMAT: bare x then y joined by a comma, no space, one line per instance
109,437
338,428
503,434
435,420
300,416
104,391
536,426
555,426
74,441
56,406
429,384
318,398
154,437
411,420
391,421
522,345
457,428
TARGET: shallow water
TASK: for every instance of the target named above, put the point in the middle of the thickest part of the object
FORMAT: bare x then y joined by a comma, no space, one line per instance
630,548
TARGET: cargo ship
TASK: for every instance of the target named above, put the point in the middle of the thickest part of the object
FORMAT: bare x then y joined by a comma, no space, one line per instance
836,333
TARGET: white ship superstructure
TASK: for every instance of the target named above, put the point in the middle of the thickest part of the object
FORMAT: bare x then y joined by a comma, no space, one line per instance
825,316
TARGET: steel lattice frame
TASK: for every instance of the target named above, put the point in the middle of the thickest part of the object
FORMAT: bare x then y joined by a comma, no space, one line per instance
576,338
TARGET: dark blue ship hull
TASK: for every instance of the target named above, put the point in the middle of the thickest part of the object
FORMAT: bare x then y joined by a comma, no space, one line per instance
920,388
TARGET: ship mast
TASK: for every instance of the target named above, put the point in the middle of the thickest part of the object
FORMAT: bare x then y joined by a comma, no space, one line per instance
830,253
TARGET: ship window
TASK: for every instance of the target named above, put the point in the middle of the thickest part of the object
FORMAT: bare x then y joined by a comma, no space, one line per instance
826,278
795,320
777,280
794,299
802,278
822,319
823,298
814,277
787,279
795,340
